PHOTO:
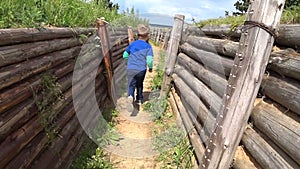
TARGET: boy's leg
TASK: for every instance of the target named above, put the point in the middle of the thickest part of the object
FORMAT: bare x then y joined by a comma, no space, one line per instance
139,85
131,87
132,82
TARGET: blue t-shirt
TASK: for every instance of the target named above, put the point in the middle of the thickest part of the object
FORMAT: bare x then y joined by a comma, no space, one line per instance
138,52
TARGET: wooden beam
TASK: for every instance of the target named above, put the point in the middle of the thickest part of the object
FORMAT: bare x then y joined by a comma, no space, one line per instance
103,34
245,78
172,52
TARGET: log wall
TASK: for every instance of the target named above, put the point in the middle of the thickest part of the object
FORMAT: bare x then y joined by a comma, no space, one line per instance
37,131
271,139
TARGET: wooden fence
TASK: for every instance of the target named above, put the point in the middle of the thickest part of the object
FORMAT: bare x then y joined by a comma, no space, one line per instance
38,123
271,138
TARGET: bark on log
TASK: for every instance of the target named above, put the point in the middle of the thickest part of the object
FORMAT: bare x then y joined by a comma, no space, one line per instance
288,35
221,46
203,114
14,73
16,141
20,92
211,79
30,152
283,91
210,60
263,153
21,52
15,118
15,36
283,130
49,154
212,100
195,140
285,62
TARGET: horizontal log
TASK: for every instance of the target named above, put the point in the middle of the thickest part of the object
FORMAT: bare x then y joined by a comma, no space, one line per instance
221,46
203,115
214,81
31,150
29,153
283,91
12,145
288,35
193,136
22,35
54,149
71,144
119,46
210,60
263,153
212,100
14,73
285,62
281,129
20,92
15,118
21,52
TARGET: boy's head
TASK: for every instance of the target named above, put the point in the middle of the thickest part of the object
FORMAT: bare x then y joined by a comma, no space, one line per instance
143,31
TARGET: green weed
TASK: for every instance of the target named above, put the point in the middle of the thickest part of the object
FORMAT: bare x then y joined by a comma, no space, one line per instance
175,150
49,95
91,157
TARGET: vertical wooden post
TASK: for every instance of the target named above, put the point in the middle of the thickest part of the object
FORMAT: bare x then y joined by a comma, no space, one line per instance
166,39
172,52
244,81
157,36
130,35
105,46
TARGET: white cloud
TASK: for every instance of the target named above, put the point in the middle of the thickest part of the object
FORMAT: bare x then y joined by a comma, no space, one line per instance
198,9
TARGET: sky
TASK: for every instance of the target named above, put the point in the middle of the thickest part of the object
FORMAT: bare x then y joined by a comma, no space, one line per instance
163,11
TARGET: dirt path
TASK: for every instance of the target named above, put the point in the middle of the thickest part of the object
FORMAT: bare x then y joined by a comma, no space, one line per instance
135,149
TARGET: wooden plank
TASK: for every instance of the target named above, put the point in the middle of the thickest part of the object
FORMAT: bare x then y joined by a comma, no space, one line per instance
22,35
130,35
263,153
216,82
172,53
281,129
243,84
21,52
284,91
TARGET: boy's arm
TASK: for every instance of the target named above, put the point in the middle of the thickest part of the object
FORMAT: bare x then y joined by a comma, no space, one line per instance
125,55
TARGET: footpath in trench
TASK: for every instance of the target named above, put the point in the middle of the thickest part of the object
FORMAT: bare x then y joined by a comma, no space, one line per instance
135,148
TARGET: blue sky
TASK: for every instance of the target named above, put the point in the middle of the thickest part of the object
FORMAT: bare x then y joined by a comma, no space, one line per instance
164,10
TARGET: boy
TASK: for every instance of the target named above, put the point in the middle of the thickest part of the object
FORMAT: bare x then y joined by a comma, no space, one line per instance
138,54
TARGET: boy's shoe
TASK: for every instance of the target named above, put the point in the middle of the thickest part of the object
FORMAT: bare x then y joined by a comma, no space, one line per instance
139,102
129,104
